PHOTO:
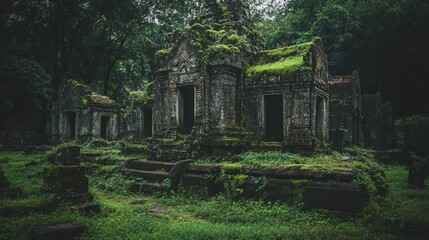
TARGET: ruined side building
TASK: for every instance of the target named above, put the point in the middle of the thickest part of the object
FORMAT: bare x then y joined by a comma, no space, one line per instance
81,113
217,91
377,121
345,110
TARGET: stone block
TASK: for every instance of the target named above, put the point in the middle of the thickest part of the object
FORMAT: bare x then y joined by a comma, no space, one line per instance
68,155
335,196
63,231
416,177
200,185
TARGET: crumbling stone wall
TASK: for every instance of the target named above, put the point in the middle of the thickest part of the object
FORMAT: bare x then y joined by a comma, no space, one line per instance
300,89
345,120
386,125
371,110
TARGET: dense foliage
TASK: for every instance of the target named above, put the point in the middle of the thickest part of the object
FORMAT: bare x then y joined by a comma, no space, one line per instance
111,45
386,40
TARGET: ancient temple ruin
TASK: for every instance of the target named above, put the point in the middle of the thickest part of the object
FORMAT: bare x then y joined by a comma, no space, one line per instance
217,90
345,109
81,112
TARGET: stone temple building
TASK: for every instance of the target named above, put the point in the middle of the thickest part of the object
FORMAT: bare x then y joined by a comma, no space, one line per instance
81,113
218,91
345,110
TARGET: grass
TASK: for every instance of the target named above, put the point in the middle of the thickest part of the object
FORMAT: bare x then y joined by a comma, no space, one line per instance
283,61
125,215
408,204
334,161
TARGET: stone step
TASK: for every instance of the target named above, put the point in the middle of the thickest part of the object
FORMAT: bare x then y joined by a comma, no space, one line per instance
150,165
147,187
268,146
146,175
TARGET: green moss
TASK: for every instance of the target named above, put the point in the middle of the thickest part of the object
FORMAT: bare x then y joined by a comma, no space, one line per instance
415,120
232,166
223,48
163,52
216,39
286,67
84,101
223,7
282,61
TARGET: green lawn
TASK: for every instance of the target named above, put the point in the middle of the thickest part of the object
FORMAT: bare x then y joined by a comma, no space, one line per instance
131,216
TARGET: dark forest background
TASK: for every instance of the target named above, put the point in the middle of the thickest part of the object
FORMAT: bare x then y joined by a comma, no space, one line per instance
110,44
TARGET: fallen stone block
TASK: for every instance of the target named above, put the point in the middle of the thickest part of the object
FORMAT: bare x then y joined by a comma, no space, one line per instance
63,231
345,197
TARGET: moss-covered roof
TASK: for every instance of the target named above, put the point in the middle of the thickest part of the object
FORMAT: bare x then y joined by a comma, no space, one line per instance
98,99
282,61
88,96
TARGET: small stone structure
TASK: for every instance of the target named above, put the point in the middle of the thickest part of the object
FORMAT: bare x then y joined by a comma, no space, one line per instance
345,120
67,180
81,113
217,92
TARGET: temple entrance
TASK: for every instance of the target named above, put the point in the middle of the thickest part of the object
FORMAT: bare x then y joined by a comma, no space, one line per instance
320,118
273,118
105,127
186,108
71,124
147,122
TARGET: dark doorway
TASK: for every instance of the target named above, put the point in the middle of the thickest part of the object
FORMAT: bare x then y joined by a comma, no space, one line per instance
320,117
273,118
105,127
147,122
71,119
186,108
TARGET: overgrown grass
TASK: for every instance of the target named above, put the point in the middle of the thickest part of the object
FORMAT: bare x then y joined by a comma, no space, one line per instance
127,215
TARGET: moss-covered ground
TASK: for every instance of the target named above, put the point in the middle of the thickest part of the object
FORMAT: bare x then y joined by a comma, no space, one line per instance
125,215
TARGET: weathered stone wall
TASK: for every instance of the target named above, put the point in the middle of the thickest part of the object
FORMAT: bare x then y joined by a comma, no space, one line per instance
386,125
300,93
315,186
345,108
371,112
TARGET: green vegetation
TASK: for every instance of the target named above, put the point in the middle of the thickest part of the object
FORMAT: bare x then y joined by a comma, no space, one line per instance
369,172
216,36
84,101
415,120
283,61
163,52
127,215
